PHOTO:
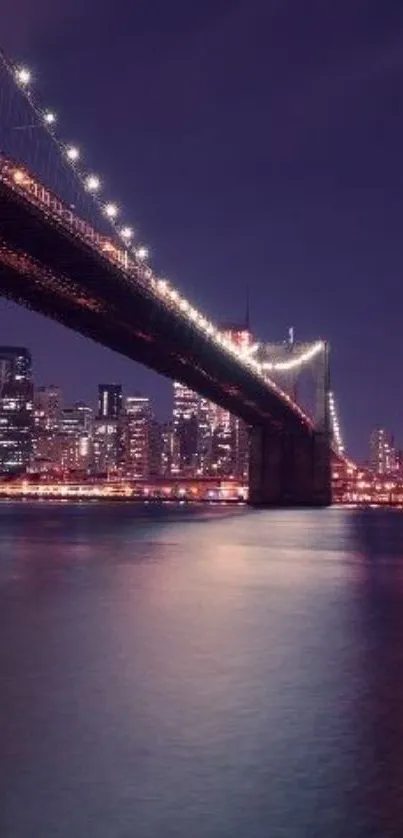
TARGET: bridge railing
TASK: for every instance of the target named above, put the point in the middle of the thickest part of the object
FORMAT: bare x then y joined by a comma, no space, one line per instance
22,182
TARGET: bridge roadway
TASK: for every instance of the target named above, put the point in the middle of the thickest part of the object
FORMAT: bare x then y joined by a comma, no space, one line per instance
56,264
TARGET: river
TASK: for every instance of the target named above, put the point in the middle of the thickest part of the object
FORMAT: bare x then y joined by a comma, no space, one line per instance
187,672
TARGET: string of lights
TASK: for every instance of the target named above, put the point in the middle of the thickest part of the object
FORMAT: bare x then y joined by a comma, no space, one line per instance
135,261
295,362
335,425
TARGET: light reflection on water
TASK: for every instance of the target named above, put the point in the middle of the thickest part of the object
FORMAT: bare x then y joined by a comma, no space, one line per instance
200,672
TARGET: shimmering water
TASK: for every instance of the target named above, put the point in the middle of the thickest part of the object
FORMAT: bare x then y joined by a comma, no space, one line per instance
193,672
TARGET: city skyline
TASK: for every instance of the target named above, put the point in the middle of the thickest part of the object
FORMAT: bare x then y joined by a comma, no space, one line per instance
119,429
304,227
43,434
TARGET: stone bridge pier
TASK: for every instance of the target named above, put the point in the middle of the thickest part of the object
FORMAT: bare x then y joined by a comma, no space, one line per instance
289,469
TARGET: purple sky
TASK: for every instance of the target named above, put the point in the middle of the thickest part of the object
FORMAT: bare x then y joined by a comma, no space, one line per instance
253,142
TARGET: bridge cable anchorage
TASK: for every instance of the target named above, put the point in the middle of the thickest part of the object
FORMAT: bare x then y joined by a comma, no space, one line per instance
132,261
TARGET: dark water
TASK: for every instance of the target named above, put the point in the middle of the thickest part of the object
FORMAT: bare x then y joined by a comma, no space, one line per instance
200,672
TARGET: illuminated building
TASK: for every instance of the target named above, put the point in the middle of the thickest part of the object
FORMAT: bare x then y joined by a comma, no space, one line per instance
136,437
382,452
105,445
185,429
84,416
167,449
47,408
109,401
74,443
223,447
106,429
155,448
16,409
204,437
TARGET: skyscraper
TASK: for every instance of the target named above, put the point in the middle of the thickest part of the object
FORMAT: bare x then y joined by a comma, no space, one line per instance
136,437
167,449
109,401
185,429
106,429
47,406
223,453
105,445
16,409
382,452
47,409
204,437
74,441
156,448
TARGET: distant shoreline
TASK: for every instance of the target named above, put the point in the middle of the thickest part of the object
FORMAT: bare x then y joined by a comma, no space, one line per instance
24,498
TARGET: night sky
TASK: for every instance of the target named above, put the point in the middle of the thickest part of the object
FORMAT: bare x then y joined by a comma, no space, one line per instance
254,143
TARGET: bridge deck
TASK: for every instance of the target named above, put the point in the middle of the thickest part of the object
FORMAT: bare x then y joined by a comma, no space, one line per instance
47,266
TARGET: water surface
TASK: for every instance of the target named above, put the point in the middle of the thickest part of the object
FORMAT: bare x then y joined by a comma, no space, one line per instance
200,671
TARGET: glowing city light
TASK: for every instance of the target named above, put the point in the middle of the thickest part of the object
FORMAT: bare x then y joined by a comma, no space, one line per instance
49,117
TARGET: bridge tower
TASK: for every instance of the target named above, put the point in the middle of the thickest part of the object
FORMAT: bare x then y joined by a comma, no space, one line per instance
288,467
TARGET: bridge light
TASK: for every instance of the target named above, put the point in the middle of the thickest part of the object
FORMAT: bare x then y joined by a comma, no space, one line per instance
162,286
92,183
19,176
72,153
49,117
111,210
142,253
126,233
23,76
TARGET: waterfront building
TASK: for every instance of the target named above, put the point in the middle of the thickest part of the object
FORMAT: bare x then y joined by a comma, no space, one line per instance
16,409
